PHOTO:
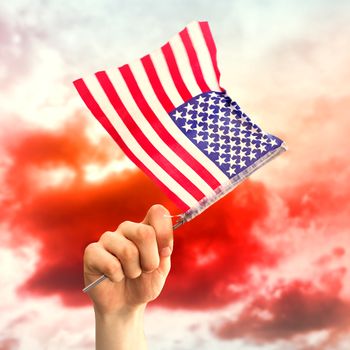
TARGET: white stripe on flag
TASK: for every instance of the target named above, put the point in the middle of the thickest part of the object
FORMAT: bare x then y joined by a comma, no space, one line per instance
129,102
165,77
108,109
152,99
203,54
184,65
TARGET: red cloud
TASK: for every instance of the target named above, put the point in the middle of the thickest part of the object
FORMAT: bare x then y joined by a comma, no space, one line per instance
212,254
298,308
292,309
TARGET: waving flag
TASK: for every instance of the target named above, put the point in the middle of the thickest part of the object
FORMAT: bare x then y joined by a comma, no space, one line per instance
170,116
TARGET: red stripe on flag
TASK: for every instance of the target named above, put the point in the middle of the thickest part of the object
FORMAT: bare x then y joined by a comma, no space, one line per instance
211,47
192,55
95,109
162,131
142,139
175,73
156,84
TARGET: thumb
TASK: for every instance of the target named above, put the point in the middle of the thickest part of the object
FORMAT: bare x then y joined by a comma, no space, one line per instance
162,225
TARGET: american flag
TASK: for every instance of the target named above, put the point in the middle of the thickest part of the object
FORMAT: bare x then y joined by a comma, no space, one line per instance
170,116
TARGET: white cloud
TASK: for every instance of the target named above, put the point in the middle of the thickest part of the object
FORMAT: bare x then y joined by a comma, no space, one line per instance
96,172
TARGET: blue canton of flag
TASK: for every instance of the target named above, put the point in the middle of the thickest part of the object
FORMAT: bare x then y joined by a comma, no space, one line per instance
226,135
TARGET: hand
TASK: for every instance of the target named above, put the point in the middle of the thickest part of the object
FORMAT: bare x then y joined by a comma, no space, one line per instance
136,260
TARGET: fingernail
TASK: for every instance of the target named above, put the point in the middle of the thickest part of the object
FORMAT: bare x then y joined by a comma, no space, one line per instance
165,252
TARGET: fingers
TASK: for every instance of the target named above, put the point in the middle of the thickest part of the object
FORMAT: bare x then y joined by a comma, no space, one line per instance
125,250
134,248
144,237
163,228
98,261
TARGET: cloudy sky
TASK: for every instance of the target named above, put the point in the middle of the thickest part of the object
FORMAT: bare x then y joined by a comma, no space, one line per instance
267,267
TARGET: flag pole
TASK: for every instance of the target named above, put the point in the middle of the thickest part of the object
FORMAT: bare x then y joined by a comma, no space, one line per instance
180,221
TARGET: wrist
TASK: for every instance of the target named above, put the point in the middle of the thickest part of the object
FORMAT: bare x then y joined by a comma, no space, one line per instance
120,330
124,313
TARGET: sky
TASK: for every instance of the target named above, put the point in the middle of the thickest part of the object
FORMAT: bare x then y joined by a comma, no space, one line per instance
267,267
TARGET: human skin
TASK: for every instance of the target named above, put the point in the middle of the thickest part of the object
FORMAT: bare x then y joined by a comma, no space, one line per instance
136,260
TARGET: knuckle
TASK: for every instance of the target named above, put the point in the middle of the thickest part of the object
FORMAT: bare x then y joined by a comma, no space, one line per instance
106,236
129,252
90,250
123,226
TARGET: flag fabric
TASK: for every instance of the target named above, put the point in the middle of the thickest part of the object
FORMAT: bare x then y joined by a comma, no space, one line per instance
170,116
